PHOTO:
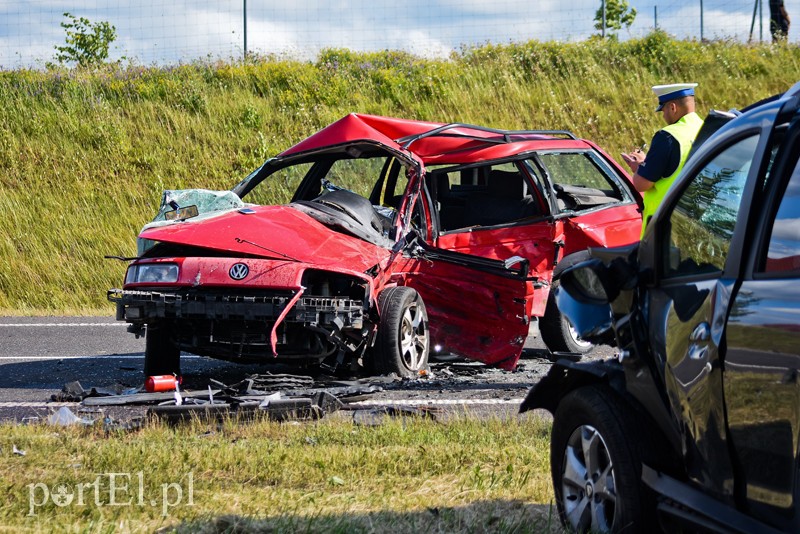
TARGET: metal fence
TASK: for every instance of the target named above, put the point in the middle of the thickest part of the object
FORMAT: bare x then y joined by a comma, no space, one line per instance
169,32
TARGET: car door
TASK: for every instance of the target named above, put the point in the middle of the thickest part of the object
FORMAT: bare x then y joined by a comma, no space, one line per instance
479,307
699,233
762,362
495,210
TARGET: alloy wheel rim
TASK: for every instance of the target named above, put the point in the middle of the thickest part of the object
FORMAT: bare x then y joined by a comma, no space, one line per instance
588,485
413,337
575,338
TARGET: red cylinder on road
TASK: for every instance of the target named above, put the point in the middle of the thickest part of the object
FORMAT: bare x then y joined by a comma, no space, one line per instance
161,383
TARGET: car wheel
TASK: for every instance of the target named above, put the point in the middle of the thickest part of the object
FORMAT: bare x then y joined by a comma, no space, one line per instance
595,461
161,355
403,339
557,333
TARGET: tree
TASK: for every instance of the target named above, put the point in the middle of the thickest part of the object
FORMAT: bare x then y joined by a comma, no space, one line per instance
87,42
618,14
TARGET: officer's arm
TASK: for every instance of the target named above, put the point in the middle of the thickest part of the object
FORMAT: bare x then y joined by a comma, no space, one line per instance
641,184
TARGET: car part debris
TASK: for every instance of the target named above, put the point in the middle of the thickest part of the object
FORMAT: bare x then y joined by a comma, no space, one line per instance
276,407
140,398
74,392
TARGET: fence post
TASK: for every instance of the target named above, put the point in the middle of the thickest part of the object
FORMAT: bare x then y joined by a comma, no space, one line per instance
701,21
655,18
603,7
245,29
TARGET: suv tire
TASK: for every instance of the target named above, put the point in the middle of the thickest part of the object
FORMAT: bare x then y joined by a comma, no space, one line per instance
596,462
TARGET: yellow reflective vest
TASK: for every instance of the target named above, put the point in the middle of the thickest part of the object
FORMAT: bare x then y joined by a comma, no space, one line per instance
684,131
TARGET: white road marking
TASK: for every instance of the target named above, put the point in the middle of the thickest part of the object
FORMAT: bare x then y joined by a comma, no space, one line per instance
12,325
34,404
434,402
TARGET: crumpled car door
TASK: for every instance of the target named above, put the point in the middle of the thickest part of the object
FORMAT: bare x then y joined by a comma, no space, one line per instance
478,307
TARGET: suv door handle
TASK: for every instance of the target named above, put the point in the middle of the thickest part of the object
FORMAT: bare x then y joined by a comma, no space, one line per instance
701,332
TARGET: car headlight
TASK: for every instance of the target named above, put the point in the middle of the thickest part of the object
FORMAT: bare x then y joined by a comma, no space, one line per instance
152,272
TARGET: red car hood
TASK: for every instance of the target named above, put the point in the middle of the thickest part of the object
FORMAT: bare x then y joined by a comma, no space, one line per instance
273,232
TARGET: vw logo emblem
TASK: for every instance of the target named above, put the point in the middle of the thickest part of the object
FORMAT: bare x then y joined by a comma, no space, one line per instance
238,271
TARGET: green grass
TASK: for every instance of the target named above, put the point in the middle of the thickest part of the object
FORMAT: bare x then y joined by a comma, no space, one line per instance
407,475
85,155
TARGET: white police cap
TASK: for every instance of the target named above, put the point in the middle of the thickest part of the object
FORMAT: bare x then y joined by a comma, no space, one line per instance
665,93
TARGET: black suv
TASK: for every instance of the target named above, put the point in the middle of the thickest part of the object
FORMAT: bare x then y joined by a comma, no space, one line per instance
696,425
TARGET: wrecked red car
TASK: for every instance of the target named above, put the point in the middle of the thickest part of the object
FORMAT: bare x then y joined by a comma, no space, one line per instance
401,237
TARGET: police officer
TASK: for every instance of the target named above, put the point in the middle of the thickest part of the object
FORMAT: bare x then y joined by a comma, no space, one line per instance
654,173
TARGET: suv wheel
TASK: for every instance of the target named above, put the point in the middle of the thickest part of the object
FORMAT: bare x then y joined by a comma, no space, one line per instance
403,338
161,355
595,461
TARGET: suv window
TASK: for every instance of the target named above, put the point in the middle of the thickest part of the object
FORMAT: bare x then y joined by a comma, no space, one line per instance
702,221
783,254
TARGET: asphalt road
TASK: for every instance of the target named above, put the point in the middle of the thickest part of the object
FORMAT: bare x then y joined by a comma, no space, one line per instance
39,355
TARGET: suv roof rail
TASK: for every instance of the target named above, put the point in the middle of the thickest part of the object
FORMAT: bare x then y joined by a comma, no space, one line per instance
508,135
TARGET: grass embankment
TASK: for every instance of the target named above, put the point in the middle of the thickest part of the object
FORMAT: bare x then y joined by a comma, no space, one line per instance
407,475
84,156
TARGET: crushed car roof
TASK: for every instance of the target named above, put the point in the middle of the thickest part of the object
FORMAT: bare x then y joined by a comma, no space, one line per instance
433,142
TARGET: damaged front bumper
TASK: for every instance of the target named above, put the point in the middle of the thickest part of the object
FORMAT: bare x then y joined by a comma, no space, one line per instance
249,325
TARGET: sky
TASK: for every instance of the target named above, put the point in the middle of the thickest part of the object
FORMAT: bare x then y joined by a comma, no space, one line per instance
170,32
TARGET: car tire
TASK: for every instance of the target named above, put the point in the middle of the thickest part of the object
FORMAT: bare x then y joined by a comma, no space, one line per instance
601,491
161,355
403,342
557,333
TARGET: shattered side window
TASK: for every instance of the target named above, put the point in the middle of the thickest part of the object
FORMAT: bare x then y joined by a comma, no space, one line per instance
278,187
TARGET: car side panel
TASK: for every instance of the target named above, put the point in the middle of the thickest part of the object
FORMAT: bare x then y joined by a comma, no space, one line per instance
763,393
610,227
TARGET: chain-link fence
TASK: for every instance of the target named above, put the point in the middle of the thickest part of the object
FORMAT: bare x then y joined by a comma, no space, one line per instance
161,32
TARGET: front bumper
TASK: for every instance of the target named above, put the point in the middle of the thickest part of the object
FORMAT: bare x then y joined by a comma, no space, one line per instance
248,325
143,306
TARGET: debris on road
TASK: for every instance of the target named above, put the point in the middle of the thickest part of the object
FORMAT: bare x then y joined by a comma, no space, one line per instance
65,417
280,397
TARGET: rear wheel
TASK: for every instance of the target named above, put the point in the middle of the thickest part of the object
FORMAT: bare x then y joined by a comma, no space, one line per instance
403,339
596,463
161,355
557,333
